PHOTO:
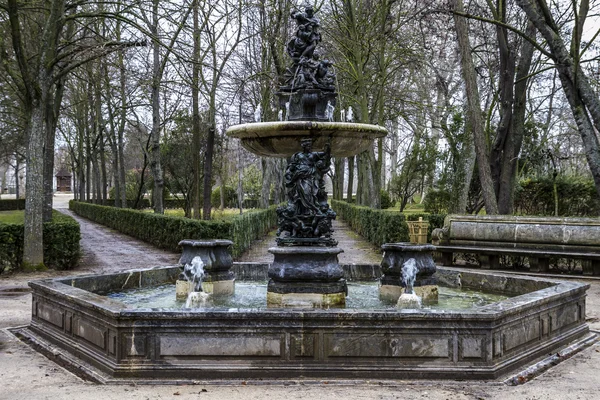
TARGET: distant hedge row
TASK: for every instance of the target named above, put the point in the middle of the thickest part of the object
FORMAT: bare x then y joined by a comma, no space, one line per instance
167,203
382,226
12,204
61,244
166,231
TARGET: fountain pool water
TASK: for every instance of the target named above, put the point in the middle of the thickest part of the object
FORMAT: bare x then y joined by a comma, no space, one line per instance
252,295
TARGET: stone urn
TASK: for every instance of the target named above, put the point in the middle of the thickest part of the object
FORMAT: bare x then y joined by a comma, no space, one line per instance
394,257
217,260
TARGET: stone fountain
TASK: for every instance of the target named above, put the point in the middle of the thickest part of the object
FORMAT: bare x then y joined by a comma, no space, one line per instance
77,324
305,271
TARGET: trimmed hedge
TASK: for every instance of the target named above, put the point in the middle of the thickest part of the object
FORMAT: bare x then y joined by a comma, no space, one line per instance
61,244
576,195
250,226
12,204
377,226
143,203
166,232
382,226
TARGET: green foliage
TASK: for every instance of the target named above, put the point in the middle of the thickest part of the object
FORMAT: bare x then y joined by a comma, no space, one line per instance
142,203
230,197
172,204
437,201
132,184
251,226
576,196
11,246
167,231
12,217
386,200
177,158
251,182
376,226
12,204
61,244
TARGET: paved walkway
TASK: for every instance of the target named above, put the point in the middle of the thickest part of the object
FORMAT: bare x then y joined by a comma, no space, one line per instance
356,249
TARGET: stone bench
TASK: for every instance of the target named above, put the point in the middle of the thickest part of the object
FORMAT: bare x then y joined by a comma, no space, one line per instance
537,238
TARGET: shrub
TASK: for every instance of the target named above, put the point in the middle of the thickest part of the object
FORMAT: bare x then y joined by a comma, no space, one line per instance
437,201
386,200
231,200
577,197
142,203
12,204
173,204
166,231
61,244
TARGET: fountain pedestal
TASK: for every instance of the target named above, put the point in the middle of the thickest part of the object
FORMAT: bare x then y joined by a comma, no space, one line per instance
306,276
394,257
216,256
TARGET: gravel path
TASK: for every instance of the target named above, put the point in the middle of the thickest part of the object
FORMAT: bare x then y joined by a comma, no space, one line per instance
105,250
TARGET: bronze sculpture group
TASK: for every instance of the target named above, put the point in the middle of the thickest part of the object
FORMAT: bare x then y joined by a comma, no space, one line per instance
307,70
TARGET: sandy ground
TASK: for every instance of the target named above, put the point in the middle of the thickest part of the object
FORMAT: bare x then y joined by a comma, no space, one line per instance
25,374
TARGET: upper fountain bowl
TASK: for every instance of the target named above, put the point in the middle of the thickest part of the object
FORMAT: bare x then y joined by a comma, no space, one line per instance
282,138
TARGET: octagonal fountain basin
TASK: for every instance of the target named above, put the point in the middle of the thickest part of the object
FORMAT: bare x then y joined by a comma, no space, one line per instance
282,139
108,340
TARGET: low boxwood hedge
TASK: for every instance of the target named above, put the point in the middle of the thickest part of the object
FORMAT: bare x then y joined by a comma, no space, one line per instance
167,231
12,204
61,244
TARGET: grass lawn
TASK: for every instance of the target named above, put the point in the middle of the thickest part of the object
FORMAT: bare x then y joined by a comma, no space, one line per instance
18,216
12,217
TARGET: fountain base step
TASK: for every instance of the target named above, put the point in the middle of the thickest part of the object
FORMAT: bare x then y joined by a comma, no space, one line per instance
391,293
306,300
216,288
307,294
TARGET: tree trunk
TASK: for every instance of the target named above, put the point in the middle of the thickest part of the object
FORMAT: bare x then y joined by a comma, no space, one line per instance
97,193
121,130
88,160
17,186
101,142
155,164
208,163
33,237
196,137
115,167
338,178
360,176
267,177
350,179
465,163
474,111
514,141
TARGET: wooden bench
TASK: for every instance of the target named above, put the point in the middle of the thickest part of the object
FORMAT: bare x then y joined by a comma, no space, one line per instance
537,238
